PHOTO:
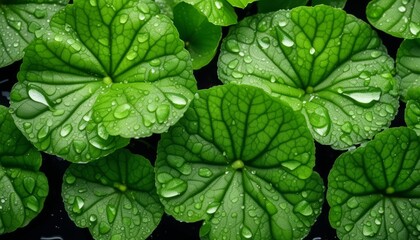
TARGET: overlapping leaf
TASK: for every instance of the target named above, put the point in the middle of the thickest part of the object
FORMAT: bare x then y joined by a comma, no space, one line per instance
242,162
23,187
104,69
324,63
373,191
114,197
19,21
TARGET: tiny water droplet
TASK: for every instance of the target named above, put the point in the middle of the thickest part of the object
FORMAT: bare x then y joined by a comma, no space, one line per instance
402,9
312,51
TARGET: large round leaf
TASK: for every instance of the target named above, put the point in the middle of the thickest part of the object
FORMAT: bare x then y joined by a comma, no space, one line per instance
324,63
104,69
243,162
23,187
20,20
400,18
373,191
114,197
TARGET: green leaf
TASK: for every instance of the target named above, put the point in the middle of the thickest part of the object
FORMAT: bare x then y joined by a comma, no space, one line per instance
242,162
240,3
373,191
265,6
218,12
23,187
412,114
408,67
201,37
399,18
166,6
20,20
114,197
333,3
97,74
324,63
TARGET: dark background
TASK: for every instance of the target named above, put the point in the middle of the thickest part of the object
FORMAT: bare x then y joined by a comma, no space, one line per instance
53,222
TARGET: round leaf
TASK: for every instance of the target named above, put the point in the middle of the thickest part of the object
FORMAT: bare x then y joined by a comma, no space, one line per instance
373,191
114,197
218,12
201,37
324,63
243,162
408,66
23,187
20,21
399,18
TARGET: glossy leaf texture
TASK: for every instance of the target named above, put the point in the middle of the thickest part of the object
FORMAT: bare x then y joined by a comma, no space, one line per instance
200,36
373,191
333,3
20,21
23,187
218,12
242,162
399,18
240,3
412,114
408,66
103,71
265,6
114,197
330,66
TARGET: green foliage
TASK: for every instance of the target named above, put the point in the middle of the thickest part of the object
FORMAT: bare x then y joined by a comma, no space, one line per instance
218,12
114,197
23,187
326,64
373,191
79,90
243,162
408,67
399,18
265,6
201,37
333,3
20,21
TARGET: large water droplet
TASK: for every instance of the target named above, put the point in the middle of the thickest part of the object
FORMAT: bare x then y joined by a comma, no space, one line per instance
205,172
38,95
318,118
232,46
173,187
131,55
78,204
364,97
246,232
414,28
43,132
66,130
142,37
122,111
177,100
162,113
212,207
352,202
40,13
264,42
70,179
93,3
111,213
303,208
79,146
291,165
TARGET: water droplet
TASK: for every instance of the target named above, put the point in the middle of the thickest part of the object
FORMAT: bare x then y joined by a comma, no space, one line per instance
271,208
212,207
364,97
312,51
177,100
347,127
43,132
263,42
66,130
16,24
34,26
162,113
286,41
93,218
93,3
318,118
353,202
218,4
291,165
70,179
123,18
345,138
303,208
131,55
205,172
237,75
376,11
348,227
402,9
38,95
367,230
111,213
78,204
262,26
122,111
104,228
232,46
233,64
414,28
29,184
32,203
79,146
40,13
282,23
246,232
173,187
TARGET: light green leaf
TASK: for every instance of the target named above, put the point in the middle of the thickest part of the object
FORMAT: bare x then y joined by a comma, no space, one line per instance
96,52
399,18
408,66
324,63
218,12
374,190
201,37
23,187
19,21
242,162
333,3
114,197
265,6
240,3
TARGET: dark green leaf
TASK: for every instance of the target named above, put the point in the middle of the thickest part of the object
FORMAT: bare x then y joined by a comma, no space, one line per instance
23,187
408,66
20,20
114,197
201,37
412,113
400,18
374,191
324,63
242,162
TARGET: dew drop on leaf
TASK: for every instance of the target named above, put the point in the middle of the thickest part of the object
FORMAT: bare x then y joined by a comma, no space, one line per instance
353,202
264,42
111,213
205,172
122,111
79,146
177,100
66,130
43,132
162,113
232,46
40,13
303,208
104,228
212,208
218,4
78,204
32,203
123,18
173,187
93,3
37,95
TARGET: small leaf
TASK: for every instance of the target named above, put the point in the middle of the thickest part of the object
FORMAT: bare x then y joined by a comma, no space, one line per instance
201,37
114,197
218,12
20,21
265,6
23,187
408,66
242,162
399,18
323,62
373,191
